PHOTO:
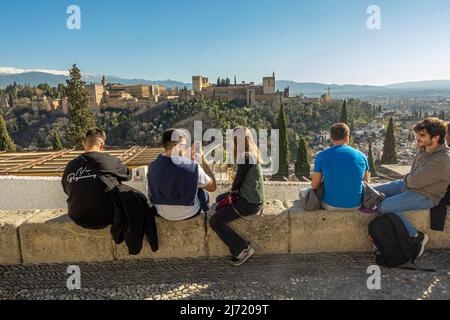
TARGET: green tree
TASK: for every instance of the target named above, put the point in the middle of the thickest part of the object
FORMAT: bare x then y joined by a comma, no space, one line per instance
6,143
373,170
344,114
302,165
81,117
283,170
389,149
56,142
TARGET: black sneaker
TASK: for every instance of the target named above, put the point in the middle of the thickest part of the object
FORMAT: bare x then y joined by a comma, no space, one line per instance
421,242
243,256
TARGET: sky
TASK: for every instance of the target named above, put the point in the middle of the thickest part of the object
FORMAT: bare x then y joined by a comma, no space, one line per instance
325,41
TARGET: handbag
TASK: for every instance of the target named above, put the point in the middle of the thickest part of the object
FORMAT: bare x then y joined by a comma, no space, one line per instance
371,198
227,200
312,201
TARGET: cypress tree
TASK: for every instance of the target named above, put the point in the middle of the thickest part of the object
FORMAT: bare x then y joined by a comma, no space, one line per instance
344,115
389,150
284,146
6,143
373,170
81,117
56,142
302,165
11,101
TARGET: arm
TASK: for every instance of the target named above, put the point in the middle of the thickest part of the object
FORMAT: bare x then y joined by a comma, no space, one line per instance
428,174
316,180
367,177
317,175
121,172
211,187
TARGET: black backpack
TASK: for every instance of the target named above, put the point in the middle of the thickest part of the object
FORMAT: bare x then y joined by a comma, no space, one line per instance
393,245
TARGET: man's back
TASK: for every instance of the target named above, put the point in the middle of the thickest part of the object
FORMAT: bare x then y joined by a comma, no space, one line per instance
343,169
173,185
89,204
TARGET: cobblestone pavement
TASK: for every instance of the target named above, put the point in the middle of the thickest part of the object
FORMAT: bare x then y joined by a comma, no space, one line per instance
311,276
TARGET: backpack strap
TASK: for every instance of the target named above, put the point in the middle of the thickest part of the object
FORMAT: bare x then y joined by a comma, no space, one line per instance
110,185
416,267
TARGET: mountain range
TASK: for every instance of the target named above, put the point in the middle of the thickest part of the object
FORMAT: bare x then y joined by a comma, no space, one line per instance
422,89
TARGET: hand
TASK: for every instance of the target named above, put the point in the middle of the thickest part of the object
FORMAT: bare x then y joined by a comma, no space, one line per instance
197,154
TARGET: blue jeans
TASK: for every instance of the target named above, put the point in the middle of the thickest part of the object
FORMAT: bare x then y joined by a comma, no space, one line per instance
398,201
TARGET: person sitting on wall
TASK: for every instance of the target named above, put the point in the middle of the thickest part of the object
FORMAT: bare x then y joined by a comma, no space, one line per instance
178,185
341,169
248,189
90,206
426,184
97,198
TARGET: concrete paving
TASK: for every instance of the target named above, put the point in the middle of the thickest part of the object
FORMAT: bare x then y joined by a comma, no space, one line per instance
284,277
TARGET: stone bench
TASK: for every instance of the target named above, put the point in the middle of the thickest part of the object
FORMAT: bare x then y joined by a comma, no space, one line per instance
325,231
50,236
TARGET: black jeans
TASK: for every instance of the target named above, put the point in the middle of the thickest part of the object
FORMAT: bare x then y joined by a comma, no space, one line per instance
219,223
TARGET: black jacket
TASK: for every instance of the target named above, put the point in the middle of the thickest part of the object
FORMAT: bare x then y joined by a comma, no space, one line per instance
134,217
88,201
439,213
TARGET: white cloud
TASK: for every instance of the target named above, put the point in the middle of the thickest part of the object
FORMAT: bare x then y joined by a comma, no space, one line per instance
11,70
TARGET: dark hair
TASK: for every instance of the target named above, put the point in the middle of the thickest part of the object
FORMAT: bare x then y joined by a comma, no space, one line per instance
448,127
434,127
170,134
94,137
339,131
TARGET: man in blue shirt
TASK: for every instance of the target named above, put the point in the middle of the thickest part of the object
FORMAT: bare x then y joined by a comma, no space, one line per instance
342,170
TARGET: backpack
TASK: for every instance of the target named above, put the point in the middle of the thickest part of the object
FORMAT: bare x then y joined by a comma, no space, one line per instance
393,246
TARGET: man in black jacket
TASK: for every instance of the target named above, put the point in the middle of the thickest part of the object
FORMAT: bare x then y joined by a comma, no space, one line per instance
89,200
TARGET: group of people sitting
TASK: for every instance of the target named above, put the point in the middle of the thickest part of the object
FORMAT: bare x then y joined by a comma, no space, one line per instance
180,179
342,171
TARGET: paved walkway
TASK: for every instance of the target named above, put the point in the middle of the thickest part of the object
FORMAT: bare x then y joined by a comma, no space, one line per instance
312,276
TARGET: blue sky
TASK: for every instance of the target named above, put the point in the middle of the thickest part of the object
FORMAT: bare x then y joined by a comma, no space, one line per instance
301,40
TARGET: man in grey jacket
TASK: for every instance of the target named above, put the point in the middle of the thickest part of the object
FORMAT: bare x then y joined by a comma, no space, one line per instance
426,184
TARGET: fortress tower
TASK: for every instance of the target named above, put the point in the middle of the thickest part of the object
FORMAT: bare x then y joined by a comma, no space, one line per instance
198,83
269,84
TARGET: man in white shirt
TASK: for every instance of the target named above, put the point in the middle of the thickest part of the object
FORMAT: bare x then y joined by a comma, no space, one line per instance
177,184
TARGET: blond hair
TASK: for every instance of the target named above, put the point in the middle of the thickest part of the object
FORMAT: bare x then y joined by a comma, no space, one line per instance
251,149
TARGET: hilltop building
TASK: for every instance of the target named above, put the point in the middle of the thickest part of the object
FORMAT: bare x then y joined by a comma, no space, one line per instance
249,93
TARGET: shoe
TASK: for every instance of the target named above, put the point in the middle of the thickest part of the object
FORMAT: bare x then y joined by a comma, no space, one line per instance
243,256
421,241
369,210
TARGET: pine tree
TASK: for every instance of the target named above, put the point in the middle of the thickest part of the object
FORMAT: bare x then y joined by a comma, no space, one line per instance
389,150
56,142
302,165
81,117
6,143
344,115
373,170
283,170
